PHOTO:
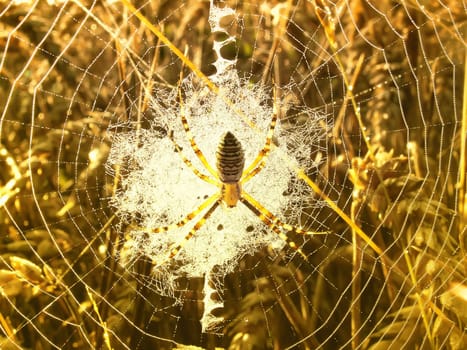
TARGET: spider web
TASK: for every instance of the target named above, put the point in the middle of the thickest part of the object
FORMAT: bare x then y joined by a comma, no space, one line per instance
370,149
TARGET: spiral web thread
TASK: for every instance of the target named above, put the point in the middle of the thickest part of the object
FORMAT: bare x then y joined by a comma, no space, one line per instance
371,97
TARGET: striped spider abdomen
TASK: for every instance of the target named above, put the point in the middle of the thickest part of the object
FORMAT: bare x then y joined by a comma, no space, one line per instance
230,159
230,163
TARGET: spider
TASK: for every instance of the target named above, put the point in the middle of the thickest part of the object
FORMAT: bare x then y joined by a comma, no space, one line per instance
229,176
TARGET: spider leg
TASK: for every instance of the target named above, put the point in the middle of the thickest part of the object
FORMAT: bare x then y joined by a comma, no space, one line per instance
187,218
255,171
275,220
190,137
258,163
174,251
273,227
190,165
